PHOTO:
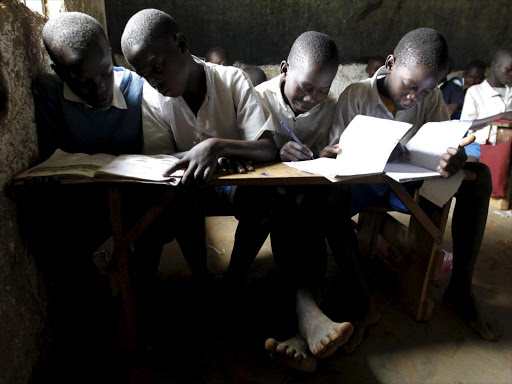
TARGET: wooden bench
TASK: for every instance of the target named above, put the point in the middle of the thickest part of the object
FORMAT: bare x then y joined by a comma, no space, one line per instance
418,257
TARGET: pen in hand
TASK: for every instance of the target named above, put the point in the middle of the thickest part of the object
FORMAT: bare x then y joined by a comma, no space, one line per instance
295,138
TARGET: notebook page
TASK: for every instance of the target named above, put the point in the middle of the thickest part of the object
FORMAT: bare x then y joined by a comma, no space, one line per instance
368,141
433,139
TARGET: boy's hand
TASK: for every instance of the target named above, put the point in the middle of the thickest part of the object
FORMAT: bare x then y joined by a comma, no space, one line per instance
454,158
199,163
293,151
235,165
330,151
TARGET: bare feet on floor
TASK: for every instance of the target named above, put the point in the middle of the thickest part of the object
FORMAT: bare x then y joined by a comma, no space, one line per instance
323,335
293,353
470,310
371,317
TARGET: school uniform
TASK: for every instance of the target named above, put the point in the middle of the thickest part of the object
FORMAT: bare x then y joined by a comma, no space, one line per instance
312,128
482,101
363,99
65,121
231,110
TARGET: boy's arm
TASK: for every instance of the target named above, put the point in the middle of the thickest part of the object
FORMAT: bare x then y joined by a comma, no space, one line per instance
158,137
47,113
200,162
346,109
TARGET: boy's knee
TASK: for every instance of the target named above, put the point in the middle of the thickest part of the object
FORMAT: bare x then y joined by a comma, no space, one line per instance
483,180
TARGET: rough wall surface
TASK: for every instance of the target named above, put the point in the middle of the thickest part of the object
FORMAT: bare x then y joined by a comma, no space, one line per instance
262,31
94,8
22,300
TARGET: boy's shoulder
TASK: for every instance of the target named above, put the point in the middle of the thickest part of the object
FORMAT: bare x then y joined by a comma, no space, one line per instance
271,85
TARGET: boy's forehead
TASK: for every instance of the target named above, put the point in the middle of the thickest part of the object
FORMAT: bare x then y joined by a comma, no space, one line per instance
417,73
314,72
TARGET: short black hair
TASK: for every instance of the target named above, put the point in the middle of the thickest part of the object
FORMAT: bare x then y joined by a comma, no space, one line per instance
146,27
313,48
478,64
376,58
256,75
423,46
502,51
71,32
221,51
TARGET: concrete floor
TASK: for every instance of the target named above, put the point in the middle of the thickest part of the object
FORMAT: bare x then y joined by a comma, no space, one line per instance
396,350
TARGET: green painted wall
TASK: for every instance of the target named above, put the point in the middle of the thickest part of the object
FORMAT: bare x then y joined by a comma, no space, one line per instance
262,31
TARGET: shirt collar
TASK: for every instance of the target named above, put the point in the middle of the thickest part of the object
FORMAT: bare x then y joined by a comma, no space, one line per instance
374,95
489,90
118,100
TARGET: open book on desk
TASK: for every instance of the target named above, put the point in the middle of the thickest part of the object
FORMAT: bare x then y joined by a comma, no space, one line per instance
366,145
426,148
81,166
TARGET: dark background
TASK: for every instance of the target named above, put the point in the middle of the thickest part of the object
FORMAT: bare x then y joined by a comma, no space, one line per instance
262,31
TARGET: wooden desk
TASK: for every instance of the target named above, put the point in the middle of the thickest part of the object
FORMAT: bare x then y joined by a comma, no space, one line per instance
428,226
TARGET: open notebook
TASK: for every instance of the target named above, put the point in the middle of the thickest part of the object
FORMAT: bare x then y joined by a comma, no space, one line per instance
135,168
367,143
365,146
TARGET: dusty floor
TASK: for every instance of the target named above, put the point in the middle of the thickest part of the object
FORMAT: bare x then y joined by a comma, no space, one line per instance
214,340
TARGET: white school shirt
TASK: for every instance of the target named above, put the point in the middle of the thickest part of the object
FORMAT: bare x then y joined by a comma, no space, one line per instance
482,101
150,102
363,98
232,109
311,128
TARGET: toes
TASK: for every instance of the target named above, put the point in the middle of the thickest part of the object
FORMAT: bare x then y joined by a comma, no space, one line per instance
281,348
271,344
298,356
290,352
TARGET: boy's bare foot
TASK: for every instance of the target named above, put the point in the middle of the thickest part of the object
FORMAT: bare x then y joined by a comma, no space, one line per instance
371,317
470,310
322,334
292,353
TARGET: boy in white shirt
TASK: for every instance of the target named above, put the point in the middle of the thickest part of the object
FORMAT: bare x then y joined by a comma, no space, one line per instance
405,90
299,98
211,114
492,99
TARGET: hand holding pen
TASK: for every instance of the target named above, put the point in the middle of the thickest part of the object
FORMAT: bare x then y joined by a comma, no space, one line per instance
294,150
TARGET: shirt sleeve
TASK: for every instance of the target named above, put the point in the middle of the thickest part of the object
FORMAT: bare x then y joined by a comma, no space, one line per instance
252,116
436,108
346,109
470,107
157,133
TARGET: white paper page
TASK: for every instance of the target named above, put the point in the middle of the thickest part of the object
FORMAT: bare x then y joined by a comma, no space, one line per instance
69,164
433,139
368,141
440,190
402,172
141,167
366,145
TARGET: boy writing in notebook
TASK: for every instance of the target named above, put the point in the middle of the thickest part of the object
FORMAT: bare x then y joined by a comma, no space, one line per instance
405,90
301,108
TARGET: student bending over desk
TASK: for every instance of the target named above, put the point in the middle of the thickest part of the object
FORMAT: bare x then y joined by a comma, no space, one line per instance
405,90
300,99
91,107
211,114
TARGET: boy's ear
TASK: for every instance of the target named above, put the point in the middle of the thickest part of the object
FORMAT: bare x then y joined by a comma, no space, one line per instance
182,42
390,63
284,68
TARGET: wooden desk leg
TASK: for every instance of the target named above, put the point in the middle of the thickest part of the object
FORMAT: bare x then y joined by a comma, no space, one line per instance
416,271
368,233
127,335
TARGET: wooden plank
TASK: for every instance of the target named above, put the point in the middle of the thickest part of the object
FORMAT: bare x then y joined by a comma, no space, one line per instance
415,210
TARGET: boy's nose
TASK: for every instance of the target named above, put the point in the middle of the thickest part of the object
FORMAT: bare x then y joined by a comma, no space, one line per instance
308,98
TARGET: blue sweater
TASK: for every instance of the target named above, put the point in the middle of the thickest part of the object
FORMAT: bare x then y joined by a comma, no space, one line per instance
74,127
